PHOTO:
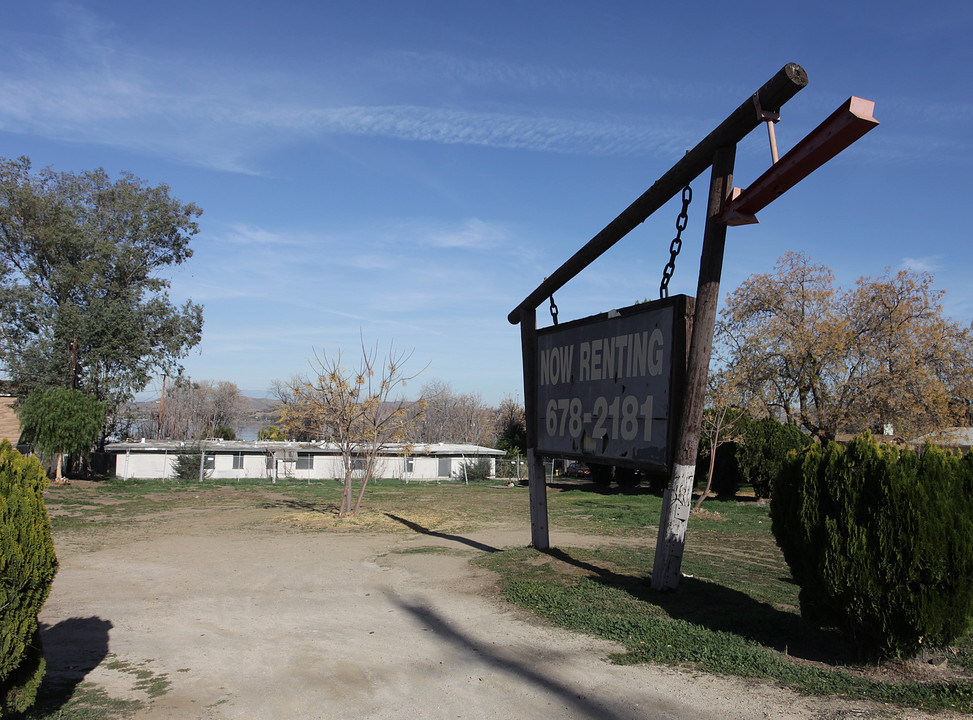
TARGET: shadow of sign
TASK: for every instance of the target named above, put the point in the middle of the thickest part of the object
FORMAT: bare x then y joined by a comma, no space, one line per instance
522,671
445,536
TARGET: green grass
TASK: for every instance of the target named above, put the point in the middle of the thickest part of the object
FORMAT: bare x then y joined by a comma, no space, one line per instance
734,617
87,702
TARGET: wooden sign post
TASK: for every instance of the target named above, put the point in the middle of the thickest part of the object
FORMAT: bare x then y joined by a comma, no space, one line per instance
677,499
716,150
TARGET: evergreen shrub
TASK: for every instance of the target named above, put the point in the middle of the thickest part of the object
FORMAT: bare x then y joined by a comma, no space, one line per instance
880,541
726,470
474,470
27,567
186,464
763,451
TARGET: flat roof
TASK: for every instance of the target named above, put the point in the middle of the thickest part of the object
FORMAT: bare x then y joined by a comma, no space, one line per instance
271,446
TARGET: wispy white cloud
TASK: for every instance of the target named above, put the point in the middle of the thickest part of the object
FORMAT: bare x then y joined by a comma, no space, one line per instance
473,234
929,263
92,88
605,135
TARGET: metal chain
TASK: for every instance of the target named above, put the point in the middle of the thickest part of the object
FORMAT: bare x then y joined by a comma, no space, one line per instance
676,245
553,311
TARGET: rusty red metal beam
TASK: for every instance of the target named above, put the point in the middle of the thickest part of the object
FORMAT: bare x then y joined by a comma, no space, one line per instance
845,125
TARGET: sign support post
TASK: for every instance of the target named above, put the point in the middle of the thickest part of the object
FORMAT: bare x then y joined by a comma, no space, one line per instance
677,499
537,483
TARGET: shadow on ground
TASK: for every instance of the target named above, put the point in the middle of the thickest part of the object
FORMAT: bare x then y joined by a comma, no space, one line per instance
429,619
724,609
445,536
324,508
72,648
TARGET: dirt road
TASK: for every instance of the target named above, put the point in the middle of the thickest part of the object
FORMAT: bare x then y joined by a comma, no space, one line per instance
230,614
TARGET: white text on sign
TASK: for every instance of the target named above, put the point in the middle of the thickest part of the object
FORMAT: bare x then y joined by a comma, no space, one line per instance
611,358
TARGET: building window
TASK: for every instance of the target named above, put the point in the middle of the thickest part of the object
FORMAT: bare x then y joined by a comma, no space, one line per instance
238,461
410,464
209,461
305,461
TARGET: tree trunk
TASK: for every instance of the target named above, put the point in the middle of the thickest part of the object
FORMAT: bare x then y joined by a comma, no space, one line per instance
367,475
709,479
346,493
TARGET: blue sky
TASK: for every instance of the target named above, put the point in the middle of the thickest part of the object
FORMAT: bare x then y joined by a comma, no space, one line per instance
410,171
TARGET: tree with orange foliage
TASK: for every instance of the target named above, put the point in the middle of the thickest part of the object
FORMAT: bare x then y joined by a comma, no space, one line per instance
846,361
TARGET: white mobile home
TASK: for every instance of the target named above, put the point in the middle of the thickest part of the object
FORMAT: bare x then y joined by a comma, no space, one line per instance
237,459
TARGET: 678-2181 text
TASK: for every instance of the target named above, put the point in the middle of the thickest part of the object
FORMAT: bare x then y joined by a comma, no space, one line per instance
617,418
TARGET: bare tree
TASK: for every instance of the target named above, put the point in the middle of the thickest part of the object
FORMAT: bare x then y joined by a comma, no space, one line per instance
192,410
721,418
454,418
352,406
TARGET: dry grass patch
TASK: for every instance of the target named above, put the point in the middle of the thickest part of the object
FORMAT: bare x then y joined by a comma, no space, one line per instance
326,519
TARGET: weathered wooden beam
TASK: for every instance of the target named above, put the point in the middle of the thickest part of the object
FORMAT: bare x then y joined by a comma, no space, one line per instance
775,92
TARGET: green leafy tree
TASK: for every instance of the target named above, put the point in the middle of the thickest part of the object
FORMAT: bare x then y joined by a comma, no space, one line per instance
61,421
82,303
511,427
763,451
222,432
271,433
27,567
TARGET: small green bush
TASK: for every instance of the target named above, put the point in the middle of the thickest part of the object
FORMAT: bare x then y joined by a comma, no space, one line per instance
880,541
186,464
27,567
763,451
474,470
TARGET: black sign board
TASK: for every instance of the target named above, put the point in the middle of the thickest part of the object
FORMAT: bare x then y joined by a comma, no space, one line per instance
608,385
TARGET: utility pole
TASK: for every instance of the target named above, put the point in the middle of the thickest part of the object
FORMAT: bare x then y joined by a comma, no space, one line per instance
161,404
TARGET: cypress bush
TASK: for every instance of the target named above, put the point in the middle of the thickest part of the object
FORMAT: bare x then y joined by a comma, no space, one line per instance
763,451
474,470
880,541
186,465
27,567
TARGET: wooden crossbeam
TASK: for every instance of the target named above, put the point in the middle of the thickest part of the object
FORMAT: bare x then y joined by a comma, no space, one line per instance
845,125
775,92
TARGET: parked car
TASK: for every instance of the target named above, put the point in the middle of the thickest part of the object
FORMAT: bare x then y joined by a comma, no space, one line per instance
577,470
